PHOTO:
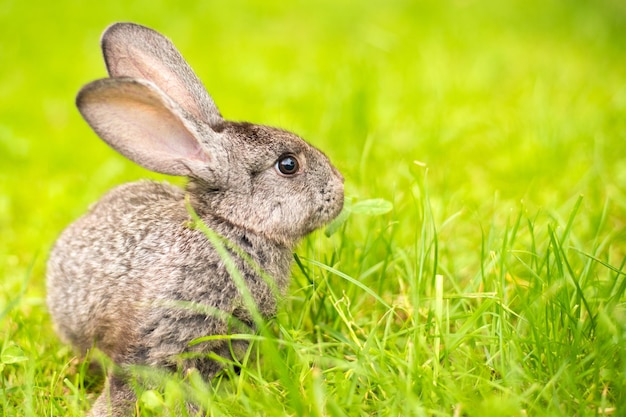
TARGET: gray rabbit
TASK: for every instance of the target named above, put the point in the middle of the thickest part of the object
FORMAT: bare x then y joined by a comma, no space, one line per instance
115,275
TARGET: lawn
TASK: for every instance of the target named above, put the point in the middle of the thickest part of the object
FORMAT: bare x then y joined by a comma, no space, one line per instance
494,131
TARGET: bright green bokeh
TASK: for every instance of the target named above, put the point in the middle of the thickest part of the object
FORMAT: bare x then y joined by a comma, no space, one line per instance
498,101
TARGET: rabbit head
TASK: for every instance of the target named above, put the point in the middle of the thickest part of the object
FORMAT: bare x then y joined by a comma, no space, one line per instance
155,111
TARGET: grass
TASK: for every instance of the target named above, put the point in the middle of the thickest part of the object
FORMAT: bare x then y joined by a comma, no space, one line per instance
497,130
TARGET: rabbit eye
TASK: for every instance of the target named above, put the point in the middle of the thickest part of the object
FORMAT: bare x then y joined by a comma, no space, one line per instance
287,165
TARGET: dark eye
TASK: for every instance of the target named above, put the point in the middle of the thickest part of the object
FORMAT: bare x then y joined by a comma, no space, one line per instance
287,165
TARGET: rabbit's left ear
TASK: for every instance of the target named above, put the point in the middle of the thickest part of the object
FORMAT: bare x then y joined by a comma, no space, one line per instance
142,123
135,51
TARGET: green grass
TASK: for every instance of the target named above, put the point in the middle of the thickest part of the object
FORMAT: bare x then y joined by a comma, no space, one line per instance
496,285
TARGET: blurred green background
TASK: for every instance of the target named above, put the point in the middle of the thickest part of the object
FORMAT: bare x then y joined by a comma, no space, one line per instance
525,99
502,102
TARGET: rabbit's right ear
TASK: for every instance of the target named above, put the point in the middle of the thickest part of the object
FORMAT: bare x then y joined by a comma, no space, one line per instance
142,123
135,51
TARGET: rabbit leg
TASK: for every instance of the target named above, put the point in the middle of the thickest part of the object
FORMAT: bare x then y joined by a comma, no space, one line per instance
117,399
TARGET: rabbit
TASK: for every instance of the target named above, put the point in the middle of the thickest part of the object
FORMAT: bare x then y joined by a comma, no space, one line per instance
123,276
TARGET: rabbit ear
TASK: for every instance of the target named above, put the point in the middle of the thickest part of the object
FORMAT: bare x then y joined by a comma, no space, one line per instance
135,51
145,125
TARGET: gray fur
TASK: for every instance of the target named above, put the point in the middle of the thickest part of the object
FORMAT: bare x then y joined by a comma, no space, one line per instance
131,276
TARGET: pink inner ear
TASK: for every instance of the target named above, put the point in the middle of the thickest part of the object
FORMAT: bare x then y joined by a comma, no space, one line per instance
159,131
135,120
